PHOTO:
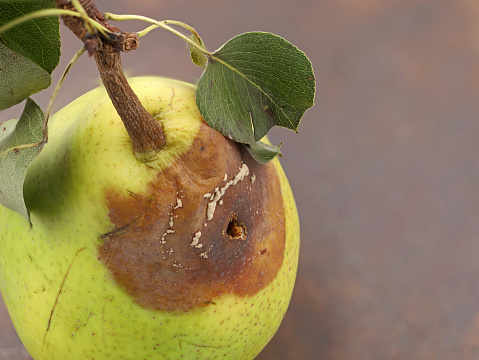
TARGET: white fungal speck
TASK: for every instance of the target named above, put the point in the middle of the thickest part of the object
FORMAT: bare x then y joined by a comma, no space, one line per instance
226,177
162,241
253,178
210,211
243,172
204,255
171,222
220,202
179,204
196,238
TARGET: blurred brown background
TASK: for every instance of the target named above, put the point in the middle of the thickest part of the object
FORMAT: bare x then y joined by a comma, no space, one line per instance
385,168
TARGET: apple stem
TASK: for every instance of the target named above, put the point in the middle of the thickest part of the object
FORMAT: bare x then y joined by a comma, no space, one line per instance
144,130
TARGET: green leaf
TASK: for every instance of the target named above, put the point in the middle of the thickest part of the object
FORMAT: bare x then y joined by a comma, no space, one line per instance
16,160
253,82
196,55
263,152
19,78
37,40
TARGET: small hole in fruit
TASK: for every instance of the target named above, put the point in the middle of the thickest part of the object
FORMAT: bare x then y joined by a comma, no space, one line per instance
235,229
262,252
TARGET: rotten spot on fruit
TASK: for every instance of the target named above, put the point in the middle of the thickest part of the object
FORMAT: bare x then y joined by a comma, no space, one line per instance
235,229
197,264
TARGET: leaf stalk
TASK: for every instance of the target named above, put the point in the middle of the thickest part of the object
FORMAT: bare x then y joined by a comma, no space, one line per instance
57,90
47,13
164,25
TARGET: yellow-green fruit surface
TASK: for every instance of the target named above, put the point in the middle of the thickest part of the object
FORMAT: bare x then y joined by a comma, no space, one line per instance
73,283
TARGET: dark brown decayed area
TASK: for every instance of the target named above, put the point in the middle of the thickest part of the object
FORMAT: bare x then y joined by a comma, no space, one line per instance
160,250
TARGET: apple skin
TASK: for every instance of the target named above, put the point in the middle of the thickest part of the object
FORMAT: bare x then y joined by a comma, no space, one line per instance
68,301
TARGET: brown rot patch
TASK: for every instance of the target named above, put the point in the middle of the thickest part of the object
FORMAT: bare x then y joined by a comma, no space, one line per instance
210,225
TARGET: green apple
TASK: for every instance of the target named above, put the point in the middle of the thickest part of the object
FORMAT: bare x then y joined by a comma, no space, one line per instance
190,256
